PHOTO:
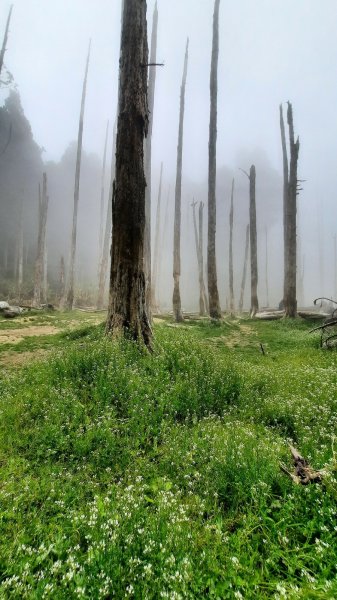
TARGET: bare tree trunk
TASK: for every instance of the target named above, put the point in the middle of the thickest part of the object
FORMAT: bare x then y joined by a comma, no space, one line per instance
100,249
201,255
197,247
154,280
266,264
231,278
290,302
163,244
244,274
285,191
4,43
177,314
254,303
41,243
127,307
45,274
108,229
214,304
20,252
148,153
69,294
62,277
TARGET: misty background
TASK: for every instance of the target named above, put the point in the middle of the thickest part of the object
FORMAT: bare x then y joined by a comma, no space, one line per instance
270,52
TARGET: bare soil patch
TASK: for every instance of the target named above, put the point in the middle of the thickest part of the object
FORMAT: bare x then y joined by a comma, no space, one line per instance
14,336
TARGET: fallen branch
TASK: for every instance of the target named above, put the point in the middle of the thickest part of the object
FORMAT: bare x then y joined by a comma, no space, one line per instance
303,472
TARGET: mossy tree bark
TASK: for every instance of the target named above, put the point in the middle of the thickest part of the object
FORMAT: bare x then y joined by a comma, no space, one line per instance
213,294
127,313
177,313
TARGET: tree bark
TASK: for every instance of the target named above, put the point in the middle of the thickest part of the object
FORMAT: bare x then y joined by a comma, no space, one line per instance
198,235
69,294
266,265
108,228
231,278
148,156
177,314
290,302
254,303
4,43
61,277
154,279
100,248
201,255
213,294
41,244
244,273
127,313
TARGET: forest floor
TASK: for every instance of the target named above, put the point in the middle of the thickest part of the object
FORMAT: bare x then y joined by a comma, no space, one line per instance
129,475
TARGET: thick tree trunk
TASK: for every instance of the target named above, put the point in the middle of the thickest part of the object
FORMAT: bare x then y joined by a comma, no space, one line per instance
231,278
41,244
177,314
100,242
290,302
154,279
69,295
4,43
108,229
147,157
127,307
214,304
254,304
244,273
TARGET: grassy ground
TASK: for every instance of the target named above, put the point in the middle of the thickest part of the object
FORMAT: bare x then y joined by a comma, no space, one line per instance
129,475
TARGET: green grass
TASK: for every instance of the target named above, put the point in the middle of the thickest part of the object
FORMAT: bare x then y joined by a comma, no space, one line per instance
125,474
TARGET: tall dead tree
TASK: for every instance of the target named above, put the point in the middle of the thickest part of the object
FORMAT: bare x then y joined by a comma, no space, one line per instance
41,241
148,156
100,249
177,314
198,235
213,294
69,293
290,192
244,273
154,278
127,306
231,278
254,303
107,232
4,43
20,251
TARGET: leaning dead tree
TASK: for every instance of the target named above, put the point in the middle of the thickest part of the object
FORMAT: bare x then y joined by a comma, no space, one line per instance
154,278
148,156
290,192
4,43
244,273
177,314
231,278
107,232
68,299
127,313
41,242
213,294
198,236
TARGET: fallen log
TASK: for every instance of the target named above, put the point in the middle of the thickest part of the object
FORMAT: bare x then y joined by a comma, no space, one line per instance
303,473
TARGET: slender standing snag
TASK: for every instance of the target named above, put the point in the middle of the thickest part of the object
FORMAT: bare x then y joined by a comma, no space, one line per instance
20,251
231,278
214,304
68,300
100,248
201,254
62,277
154,279
254,303
177,314
127,307
198,235
290,201
41,243
244,274
4,43
148,156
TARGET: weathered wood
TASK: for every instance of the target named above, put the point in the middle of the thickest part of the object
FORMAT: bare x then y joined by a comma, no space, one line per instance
41,243
254,303
231,277
303,473
244,273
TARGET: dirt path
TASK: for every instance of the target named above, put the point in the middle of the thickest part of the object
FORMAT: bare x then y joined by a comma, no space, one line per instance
14,336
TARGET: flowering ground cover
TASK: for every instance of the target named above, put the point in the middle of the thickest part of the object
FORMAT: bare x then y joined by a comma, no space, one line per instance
129,475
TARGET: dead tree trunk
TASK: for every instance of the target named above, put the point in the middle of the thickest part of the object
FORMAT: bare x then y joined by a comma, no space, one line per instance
177,314
154,279
231,278
290,302
100,242
148,152
69,294
285,191
266,271
127,306
61,277
108,229
254,303
244,273
213,294
20,252
198,235
41,243
201,255
4,43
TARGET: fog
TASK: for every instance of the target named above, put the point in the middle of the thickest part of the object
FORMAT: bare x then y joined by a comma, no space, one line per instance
270,52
